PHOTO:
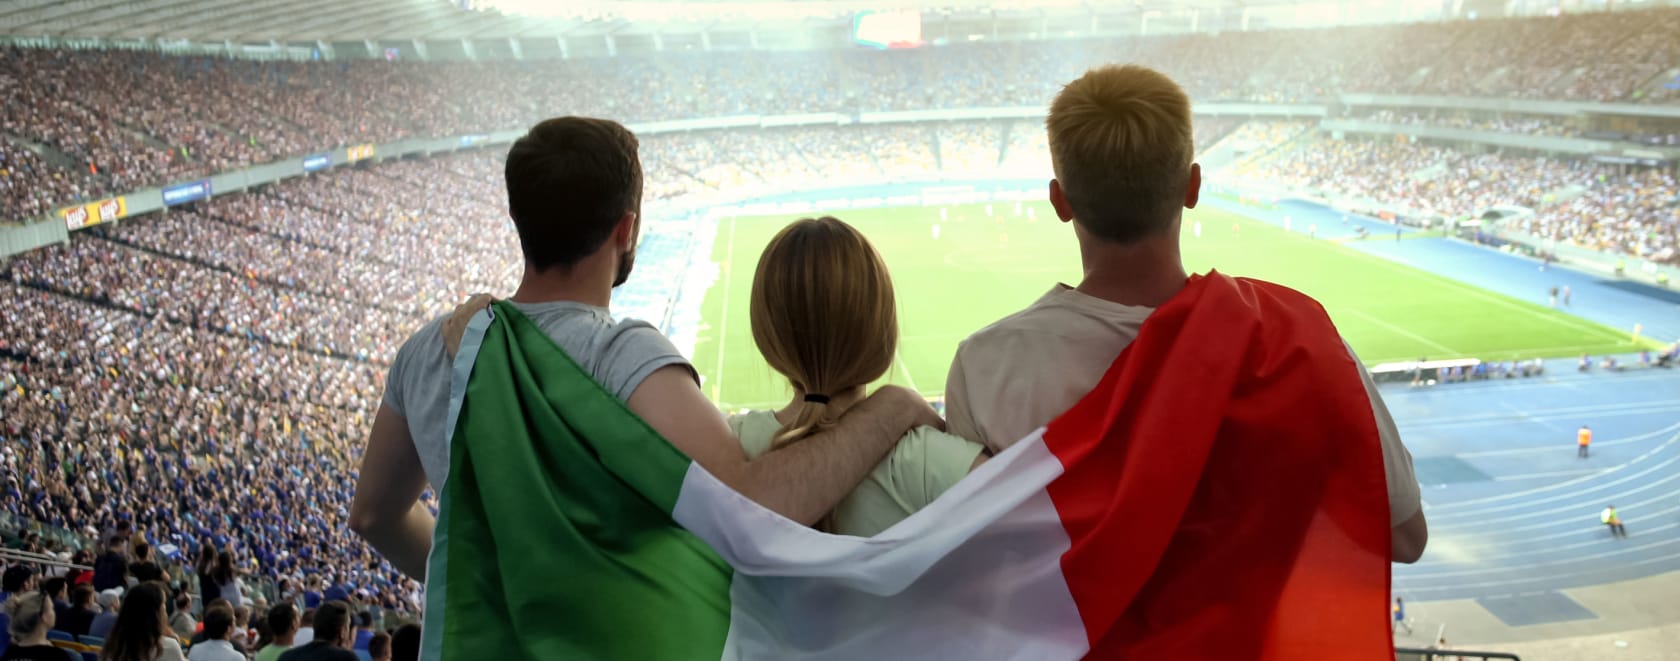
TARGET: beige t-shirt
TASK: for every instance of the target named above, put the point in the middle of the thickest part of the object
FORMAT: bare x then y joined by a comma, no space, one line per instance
1018,374
923,465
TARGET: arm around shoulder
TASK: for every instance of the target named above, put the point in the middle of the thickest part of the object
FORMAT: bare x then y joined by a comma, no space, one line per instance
802,481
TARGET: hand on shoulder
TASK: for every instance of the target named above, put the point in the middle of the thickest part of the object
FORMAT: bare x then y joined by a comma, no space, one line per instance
456,325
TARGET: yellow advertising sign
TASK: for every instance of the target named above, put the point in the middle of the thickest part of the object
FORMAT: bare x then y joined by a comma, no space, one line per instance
94,213
359,152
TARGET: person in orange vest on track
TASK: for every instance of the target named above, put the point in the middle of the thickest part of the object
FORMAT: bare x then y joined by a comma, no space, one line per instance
1583,439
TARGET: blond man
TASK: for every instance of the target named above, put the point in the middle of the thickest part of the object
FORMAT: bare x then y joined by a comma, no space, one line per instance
1122,150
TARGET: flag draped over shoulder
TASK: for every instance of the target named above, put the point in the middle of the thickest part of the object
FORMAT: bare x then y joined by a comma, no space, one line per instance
1219,495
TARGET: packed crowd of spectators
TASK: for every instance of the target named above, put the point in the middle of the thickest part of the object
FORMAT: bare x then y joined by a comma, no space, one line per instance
1515,124
160,118
1621,208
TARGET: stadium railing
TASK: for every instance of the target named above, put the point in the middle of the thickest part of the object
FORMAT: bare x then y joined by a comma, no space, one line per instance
14,556
1416,654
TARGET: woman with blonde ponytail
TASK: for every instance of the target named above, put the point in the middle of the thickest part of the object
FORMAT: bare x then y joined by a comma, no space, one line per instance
824,316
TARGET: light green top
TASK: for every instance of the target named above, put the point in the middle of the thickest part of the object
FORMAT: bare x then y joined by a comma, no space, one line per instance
272,652
925,463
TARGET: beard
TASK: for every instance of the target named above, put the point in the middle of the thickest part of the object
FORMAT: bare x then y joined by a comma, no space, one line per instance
625,264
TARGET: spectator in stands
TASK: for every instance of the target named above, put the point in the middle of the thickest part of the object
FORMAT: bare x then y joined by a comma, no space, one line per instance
333,636
79,618
58,589
242,627
1122,150
574,194
405,643
203,629
110,603
111,567
18,579
364,631
32,616
226,579
181,621
204,567
143,569
218,637
823,269
312,592
283,625
306,628
379,647
141,632
1129,239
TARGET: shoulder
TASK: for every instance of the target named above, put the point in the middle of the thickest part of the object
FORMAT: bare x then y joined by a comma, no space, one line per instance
424,343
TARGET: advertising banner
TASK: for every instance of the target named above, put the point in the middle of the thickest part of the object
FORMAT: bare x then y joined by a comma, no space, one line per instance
358,153
317,162
474,139
187,192
94,213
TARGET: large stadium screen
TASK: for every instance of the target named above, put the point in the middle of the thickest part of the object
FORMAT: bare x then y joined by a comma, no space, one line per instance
897,28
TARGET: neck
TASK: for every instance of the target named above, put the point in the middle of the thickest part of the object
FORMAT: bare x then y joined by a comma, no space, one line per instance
35,639
286,639
1143,273
837,403
588,282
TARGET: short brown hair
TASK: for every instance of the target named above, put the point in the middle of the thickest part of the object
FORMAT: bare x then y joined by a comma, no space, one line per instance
218,619
569,182
1121,145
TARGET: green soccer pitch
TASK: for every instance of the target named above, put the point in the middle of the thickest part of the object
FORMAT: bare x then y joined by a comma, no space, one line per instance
980,269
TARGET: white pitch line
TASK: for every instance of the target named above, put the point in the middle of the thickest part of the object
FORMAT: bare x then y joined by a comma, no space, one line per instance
723,322
1437,345
1500,299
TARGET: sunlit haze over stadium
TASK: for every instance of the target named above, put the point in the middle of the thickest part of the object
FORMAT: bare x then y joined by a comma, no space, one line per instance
1033,329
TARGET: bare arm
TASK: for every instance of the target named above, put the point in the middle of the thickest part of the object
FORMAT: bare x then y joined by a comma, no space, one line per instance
1409,539
801,481
386,510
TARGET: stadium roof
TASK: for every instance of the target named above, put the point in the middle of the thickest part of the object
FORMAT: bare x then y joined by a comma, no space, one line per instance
294,21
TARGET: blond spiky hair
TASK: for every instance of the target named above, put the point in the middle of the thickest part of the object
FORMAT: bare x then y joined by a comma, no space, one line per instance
1121,145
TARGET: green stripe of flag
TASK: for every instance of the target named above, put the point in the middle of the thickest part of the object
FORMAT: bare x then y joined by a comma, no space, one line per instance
556,520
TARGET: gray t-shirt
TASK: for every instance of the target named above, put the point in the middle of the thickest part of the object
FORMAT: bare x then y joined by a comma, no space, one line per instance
617,354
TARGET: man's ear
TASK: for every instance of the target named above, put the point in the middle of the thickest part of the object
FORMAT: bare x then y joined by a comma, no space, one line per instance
1058,199
1193,192
624,234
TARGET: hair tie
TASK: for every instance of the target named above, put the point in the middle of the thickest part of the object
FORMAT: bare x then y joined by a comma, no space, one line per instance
817,399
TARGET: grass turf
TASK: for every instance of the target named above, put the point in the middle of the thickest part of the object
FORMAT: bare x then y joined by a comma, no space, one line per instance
980,269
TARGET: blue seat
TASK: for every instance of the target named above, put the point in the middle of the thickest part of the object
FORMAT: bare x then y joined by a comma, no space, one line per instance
63,636
94,641
90,656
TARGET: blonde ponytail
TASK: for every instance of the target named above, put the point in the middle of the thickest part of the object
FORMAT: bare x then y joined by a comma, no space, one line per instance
824,316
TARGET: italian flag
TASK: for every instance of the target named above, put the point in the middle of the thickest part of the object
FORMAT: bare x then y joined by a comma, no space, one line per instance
1219,495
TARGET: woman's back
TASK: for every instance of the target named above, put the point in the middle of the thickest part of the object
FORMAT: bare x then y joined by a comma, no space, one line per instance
923,465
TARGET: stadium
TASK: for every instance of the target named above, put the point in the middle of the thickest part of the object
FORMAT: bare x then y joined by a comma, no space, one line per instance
220,221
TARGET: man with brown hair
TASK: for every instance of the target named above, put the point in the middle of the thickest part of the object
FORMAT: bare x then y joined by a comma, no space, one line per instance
218,636
574,192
